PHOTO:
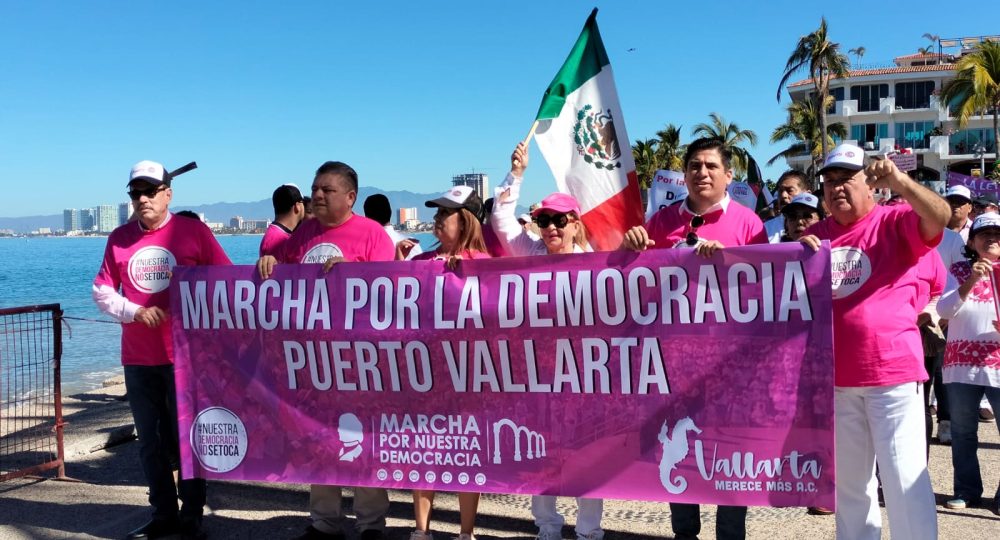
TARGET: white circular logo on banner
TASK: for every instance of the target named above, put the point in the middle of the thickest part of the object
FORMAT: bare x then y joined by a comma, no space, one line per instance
319,253
219,439
850,269
149,269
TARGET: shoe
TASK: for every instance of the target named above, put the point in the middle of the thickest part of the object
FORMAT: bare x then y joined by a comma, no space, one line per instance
819,511
465,536
592,535
961,503
421,535
944,431
549,535
157,528
312,533
372,534
986,415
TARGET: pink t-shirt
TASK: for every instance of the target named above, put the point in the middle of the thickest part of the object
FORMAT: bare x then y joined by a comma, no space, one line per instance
139,262
358,239
274,237
931,278
467,254
875,288
735,225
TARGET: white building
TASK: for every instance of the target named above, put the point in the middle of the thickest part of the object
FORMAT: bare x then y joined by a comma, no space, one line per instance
897,106
71,220
477,181
106,218
124,212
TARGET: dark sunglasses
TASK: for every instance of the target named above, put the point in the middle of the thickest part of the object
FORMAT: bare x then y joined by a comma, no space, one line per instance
692,236
150,192
559,220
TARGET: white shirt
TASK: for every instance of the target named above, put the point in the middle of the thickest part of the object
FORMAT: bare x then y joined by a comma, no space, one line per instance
396,238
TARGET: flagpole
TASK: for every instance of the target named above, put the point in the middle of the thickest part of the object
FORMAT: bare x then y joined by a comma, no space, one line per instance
531,133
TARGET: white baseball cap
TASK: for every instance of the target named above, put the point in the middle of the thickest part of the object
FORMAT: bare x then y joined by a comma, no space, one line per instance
802,199
989,220
959,191
845,156
458,197
149,171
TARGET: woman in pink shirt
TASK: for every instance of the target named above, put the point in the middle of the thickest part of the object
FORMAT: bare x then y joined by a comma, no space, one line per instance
460,236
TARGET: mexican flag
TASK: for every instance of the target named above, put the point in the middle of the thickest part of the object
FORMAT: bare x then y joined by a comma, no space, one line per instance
581,134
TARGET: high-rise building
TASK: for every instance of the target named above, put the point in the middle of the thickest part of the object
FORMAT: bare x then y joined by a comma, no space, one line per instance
87,221
407,214
106,218
236,222
477,181
71,219
124,212
887,108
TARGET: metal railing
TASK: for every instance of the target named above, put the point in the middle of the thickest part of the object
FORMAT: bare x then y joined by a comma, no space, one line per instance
31,421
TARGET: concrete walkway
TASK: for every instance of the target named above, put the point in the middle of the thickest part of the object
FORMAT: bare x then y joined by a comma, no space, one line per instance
110,499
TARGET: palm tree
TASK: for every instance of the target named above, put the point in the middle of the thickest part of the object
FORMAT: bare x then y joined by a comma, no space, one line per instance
669,149
802,127
859,52
975,89
824,60
930,49
644,154
732,137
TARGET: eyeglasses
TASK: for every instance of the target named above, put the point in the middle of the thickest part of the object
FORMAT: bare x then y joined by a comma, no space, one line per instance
559,220
692,236
150,192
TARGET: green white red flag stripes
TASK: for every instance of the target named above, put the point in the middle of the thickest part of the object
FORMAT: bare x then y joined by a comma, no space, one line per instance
581,134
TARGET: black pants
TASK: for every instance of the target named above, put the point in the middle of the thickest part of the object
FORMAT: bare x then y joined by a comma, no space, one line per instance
933,366
154,411
730,521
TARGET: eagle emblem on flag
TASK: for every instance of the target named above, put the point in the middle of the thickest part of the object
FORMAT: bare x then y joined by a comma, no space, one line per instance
595,138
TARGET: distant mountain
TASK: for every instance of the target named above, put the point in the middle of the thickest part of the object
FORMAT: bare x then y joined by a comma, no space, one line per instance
222,212
31,223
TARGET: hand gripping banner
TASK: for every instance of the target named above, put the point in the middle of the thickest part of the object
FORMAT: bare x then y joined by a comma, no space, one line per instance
658,376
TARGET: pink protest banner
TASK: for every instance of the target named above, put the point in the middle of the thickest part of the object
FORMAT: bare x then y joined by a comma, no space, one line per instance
978,186
655,376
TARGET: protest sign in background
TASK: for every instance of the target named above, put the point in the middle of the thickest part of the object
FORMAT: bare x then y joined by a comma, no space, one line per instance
978,186
666,188
744,194
658,376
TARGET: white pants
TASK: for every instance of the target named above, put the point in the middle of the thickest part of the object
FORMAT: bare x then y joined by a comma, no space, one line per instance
588,516
884,423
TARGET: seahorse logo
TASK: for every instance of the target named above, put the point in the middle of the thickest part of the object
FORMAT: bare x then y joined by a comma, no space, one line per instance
675,449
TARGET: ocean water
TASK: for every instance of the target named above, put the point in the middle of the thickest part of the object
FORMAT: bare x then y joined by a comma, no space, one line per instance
60,271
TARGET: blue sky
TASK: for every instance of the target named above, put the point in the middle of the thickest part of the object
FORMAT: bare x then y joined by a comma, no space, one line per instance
261,93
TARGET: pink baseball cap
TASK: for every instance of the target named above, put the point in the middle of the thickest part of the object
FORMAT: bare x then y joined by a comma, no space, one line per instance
559,203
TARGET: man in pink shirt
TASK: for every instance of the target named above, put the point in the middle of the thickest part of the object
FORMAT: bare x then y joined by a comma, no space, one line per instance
131,287
337,234
707,220
289,211
877,347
